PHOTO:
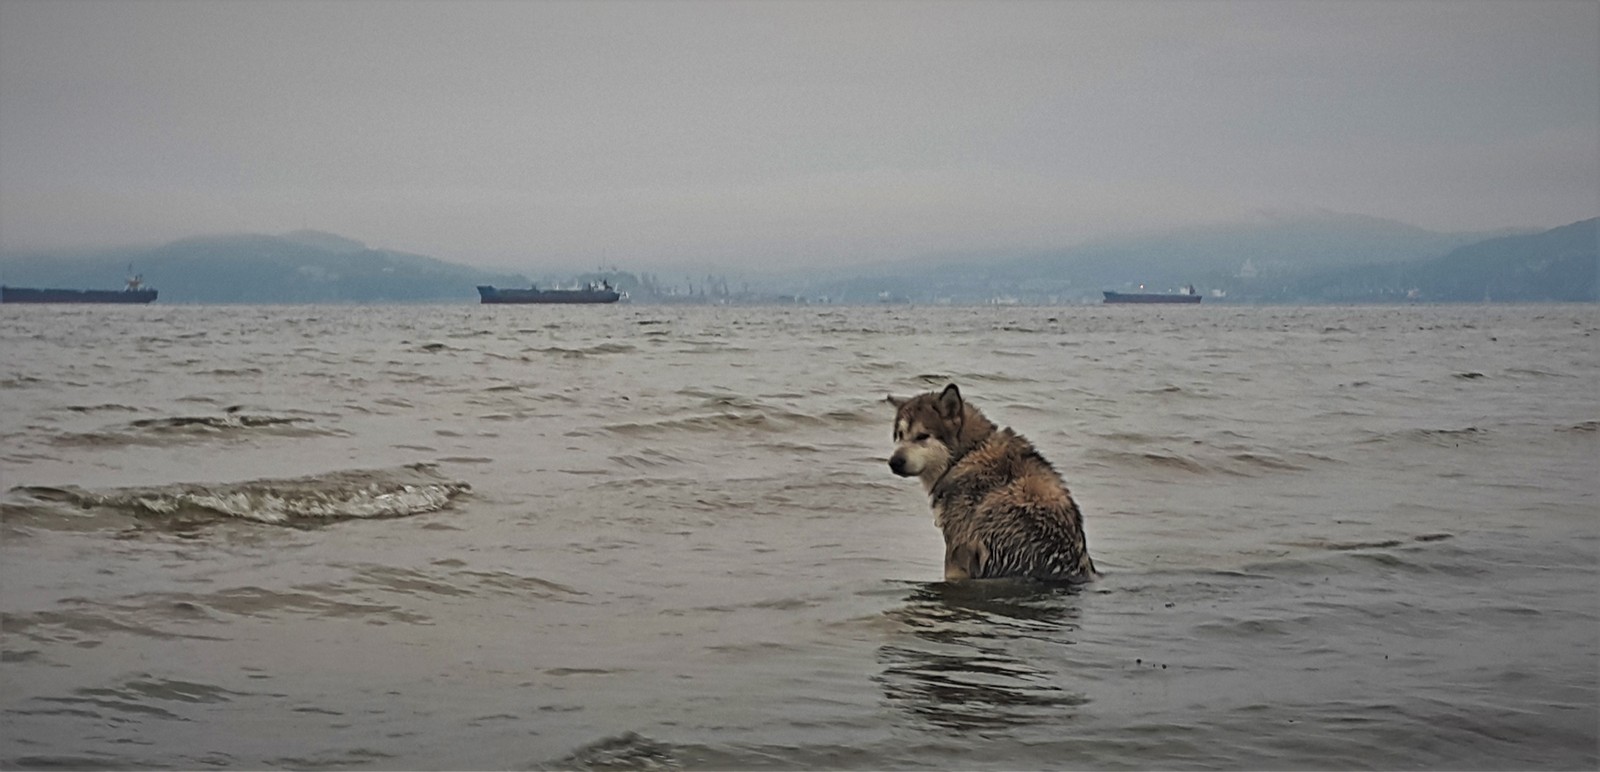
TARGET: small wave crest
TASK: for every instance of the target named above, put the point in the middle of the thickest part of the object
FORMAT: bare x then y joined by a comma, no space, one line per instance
341,495
715,422
646,458
737,415
937,380
1241,464
108,406
22,382
1413,555
584,351
171,429
1349,546
233,421
1423,436
629,750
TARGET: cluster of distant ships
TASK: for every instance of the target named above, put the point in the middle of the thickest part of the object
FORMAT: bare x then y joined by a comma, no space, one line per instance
603,292
136,292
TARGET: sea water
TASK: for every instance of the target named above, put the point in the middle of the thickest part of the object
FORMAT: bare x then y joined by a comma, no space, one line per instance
461,537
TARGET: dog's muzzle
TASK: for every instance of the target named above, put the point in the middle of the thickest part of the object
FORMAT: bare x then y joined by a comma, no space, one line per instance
897,464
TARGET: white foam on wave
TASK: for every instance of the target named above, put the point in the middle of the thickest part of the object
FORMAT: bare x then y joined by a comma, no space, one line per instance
346,494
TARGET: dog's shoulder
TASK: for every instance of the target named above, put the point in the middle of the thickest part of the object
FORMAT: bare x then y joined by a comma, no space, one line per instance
1005,456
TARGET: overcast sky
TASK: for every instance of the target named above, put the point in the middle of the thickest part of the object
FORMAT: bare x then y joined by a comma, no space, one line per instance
766,133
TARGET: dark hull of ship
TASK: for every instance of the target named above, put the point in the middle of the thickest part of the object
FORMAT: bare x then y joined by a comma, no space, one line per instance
30,295
1147,297
493,295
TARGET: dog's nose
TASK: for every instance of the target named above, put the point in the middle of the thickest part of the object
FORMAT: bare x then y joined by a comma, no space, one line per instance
897,464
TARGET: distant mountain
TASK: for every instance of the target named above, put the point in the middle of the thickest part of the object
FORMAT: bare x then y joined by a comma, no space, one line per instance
1261,259
1271,244
1289,259
328,242
1559,264
1555,265
300,267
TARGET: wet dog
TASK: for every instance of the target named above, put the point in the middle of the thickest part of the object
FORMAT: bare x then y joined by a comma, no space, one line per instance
1003,509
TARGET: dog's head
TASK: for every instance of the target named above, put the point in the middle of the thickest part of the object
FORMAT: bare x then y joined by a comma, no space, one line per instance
927,428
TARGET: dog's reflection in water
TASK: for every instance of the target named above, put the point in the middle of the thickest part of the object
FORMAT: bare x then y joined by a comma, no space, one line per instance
983,655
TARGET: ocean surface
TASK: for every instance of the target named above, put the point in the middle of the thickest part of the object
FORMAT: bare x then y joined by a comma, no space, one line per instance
464,537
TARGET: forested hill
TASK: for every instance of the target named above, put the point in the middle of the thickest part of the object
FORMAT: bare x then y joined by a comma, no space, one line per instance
1559,264
1331,260
300,267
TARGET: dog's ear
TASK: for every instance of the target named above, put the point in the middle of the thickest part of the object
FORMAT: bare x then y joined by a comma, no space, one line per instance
950,401
896,401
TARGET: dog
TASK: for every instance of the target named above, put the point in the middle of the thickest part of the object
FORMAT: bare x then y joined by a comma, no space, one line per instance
1003,509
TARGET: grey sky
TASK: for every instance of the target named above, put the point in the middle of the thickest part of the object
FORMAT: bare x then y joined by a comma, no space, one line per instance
783,133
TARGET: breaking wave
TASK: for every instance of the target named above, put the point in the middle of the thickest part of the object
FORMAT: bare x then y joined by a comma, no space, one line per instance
341,495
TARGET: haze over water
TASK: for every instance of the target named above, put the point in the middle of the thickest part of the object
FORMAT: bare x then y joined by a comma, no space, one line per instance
518,537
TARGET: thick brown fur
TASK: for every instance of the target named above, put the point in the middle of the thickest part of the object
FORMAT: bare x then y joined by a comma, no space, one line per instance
1003,509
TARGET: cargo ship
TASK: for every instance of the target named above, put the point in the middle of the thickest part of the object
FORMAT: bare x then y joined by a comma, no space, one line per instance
1188,295
135,292
592,293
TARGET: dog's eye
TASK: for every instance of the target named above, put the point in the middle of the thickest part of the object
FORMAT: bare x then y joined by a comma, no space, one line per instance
923,437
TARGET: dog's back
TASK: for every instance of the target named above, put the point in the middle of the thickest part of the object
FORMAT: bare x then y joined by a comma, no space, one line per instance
1004,510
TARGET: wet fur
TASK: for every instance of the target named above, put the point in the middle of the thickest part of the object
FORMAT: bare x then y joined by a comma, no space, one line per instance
1003,509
